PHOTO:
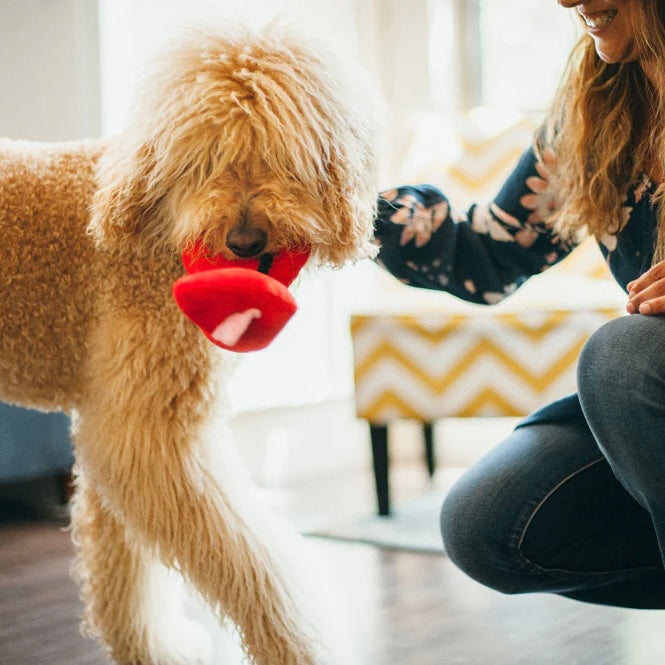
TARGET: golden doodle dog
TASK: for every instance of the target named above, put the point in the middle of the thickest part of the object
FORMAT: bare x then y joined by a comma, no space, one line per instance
257,132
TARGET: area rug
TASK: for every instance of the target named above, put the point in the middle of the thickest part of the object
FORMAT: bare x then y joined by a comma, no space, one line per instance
413,526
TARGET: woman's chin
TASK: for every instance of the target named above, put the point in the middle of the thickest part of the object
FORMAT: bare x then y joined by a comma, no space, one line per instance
613,55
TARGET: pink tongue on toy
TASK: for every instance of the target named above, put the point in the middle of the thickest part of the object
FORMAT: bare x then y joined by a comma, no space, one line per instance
234,326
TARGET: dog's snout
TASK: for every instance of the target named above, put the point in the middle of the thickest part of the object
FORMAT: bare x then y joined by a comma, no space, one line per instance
246,241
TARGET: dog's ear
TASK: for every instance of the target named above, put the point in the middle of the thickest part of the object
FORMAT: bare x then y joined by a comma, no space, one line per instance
126,205
354,118
349,201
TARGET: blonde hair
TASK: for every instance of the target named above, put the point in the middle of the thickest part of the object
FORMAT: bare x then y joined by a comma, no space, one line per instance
594,127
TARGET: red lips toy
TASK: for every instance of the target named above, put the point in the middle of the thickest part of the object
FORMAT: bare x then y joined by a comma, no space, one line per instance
239,305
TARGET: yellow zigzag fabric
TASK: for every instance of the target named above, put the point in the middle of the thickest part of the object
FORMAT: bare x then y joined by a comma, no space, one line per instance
433,366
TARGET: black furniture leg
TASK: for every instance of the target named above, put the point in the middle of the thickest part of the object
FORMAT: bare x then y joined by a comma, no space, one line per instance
430,456
65,486
379,434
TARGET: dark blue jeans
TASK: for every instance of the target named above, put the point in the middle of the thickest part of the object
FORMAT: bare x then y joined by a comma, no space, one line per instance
573,501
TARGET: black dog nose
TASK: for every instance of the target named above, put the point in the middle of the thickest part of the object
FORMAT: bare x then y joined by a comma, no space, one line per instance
246,241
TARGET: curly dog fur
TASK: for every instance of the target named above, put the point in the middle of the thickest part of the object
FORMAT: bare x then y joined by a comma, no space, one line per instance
255,129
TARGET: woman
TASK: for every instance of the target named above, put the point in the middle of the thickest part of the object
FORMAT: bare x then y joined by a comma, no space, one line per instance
573,502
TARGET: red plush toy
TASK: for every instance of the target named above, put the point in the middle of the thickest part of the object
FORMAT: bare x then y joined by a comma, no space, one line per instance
239,305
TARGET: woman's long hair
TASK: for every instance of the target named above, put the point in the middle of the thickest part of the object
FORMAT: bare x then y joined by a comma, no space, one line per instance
607,126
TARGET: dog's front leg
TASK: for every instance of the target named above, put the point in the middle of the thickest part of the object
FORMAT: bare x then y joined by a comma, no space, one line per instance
139,436
116,576
110,573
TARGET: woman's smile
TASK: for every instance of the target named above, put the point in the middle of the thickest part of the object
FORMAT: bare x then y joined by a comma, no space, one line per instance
612,27
598,21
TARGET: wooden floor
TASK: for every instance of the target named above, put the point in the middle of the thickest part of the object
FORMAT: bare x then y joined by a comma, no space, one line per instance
399,609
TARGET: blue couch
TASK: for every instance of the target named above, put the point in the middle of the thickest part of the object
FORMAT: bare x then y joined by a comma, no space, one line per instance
33,444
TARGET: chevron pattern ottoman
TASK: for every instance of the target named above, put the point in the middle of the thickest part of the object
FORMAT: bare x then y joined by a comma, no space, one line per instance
427,366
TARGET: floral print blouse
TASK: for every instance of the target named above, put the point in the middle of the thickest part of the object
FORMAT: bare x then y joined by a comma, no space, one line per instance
484,254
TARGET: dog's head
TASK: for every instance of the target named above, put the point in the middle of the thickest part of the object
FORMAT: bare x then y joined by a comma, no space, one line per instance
254,143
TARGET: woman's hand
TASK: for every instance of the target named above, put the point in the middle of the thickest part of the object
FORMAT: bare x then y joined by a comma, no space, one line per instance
646,294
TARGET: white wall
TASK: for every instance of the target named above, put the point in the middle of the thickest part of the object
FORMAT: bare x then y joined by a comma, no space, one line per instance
49,70
133,30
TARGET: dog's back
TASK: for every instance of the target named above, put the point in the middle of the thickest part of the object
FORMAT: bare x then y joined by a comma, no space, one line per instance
47,269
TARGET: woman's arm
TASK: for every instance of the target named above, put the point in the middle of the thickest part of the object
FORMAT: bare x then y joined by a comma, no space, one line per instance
482,255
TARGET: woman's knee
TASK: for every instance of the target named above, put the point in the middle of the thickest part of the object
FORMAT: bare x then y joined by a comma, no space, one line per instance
622,360
475,540
486,515
619,352
621,382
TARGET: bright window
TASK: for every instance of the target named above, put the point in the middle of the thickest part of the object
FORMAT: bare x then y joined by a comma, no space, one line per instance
505,54
524,47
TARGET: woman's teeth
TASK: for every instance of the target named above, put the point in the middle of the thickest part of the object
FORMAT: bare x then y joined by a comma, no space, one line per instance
601,19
